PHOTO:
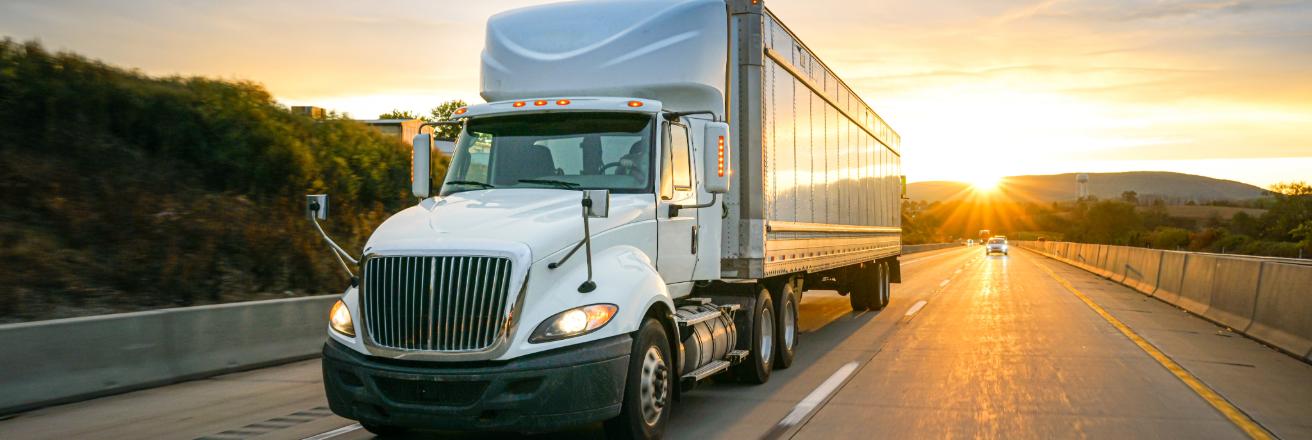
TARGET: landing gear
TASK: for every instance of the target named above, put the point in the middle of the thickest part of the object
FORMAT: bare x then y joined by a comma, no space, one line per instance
646,408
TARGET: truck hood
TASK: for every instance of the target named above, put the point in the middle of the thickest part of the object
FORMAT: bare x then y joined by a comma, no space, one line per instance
547,220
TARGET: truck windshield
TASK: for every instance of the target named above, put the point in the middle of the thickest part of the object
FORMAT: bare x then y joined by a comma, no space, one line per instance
584,150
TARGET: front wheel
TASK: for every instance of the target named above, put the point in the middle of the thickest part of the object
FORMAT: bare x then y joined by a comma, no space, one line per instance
646,407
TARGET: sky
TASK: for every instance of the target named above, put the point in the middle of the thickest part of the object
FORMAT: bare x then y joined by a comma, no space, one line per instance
978,89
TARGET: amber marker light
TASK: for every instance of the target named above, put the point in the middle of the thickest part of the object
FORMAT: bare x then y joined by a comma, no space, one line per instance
635,104
562,102
461,111
721,166
519,104
539,102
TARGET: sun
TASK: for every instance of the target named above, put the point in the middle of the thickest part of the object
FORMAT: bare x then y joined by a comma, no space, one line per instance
984,183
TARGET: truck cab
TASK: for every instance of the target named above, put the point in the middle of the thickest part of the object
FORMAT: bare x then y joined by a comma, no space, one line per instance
599,243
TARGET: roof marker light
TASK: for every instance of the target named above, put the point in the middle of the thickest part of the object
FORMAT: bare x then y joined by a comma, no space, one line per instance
635,103
519,104
539,102
461,111
562,102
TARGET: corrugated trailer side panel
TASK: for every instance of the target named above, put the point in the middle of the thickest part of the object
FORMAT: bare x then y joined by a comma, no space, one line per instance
829,166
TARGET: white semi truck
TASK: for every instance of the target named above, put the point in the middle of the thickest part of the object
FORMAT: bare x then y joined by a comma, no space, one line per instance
639,207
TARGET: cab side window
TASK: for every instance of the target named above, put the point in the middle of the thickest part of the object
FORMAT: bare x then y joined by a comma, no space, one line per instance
676,166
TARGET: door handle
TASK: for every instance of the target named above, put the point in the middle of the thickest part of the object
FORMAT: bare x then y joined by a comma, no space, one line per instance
694,240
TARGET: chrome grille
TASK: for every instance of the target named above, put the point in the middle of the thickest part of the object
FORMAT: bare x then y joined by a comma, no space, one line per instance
436,303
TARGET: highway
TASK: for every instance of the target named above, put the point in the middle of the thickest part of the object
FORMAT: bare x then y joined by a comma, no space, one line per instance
971,346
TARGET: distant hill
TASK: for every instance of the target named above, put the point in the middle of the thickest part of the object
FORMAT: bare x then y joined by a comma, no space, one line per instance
1062,187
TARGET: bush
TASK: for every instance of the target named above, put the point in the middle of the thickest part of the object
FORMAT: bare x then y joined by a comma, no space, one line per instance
1168,238
123,192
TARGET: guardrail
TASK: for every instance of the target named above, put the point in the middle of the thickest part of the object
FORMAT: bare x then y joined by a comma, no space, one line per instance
1266,299
66,360
911,249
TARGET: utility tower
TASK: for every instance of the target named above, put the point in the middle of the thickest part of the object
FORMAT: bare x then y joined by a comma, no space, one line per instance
1082,188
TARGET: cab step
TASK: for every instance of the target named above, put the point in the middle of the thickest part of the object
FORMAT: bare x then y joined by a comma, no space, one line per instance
689,381
700,317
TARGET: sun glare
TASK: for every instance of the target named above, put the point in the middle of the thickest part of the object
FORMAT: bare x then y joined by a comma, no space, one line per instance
984,183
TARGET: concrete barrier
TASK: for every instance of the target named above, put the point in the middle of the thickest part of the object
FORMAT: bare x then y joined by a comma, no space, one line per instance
1196,289
65,360
1144,270
1234,292
1264,298
1170,281
1282,315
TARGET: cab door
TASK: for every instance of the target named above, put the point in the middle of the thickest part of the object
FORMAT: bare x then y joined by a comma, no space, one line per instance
677,254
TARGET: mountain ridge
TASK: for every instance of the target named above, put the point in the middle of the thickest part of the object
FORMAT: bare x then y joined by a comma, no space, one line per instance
1047,188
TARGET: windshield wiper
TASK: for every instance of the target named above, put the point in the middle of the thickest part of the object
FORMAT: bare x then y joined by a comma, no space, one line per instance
470,182
555,183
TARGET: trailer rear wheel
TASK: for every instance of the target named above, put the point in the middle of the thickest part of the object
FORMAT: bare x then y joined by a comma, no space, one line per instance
865,290
646,407
885,287
756,369
787,329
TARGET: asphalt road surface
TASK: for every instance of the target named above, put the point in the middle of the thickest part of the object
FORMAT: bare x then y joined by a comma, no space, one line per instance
972,346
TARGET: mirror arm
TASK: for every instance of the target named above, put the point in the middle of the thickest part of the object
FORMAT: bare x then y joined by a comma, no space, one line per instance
339,253
588,285
674,209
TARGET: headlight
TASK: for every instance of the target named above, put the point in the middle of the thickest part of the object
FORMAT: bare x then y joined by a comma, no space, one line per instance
340,319
573,322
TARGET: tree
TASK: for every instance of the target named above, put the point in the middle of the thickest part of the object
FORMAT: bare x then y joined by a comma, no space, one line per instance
400,114
1107,222
1130,197
443,112
1290,207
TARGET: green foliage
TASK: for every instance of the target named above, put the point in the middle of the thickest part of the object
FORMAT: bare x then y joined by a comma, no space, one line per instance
1168,238
1203,241
402,114
122,192
1106,222
443,112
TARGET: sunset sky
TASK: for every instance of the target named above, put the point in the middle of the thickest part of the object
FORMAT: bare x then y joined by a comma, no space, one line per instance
977,89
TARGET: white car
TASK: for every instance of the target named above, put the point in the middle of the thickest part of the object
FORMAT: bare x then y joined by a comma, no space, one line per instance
996,244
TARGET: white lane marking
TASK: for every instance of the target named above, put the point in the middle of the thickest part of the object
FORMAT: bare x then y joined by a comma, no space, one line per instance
944,283
958,270
335,432
916,308
812,400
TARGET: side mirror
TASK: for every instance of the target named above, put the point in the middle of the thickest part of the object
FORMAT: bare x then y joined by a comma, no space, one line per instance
316,207
600,202
717,166
423,155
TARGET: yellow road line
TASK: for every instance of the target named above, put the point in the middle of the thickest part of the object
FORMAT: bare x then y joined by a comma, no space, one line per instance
1234,414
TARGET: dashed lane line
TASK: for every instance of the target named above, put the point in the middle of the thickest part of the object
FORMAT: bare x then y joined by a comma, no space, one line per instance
335,432
1227,409
811,401
916,308
944,283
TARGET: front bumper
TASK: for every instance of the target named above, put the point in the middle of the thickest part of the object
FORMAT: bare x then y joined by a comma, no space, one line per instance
571,386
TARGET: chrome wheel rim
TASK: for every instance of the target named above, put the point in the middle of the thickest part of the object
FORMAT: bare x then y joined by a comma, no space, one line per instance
767,336
652,389
790,325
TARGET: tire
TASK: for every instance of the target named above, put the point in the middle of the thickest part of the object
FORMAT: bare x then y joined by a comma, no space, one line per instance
865,289
861,288
786,328
647,391
756,369
885,285
879,296
384,430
